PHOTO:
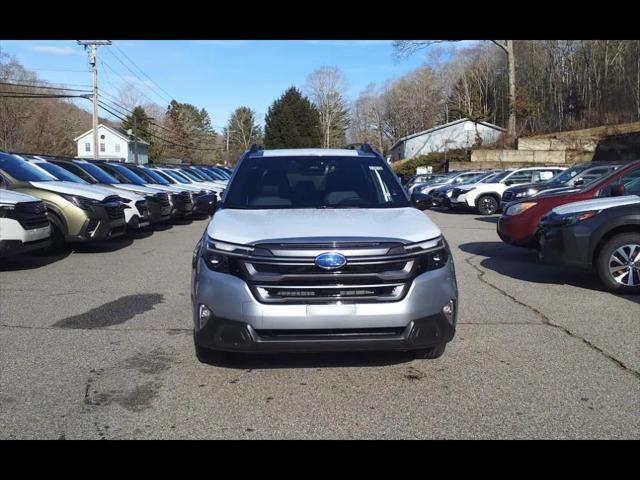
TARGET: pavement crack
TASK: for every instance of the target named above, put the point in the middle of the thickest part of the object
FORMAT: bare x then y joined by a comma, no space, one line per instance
547,321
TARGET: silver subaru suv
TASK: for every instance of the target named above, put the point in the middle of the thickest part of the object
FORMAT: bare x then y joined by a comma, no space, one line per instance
321,249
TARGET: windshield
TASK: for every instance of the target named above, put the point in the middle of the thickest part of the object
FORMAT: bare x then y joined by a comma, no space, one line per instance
153,176
127,174
491,178
190,175
565,176
176,176
164,176
60,173
314,182
440,178
100,175
22,170
498,178
205,174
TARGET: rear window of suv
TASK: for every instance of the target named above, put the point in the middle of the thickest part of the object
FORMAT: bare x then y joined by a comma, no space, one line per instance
314,182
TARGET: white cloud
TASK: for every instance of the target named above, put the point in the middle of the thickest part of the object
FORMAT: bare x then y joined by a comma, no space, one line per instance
52,50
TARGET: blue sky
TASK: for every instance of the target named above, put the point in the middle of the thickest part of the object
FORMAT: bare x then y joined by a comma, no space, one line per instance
218,75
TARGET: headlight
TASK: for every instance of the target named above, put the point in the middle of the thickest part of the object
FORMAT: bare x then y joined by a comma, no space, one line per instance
230,247
219,256
6,208
80,202
569,218
125,200
449,193
519,208
526,193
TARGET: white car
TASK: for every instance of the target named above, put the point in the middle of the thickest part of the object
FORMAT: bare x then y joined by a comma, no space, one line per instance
136,213
485,197
453,179
24,223
186,178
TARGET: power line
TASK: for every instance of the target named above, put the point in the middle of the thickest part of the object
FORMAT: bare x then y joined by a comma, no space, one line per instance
171,142
142,71
37,95
47,84
43,86
105,64
137,76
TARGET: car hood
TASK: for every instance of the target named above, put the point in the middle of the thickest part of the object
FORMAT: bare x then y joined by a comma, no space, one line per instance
70,188
165,188
596,204
248,227
136,188
128,194
7,197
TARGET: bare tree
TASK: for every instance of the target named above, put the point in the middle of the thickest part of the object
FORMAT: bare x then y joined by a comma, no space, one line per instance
327,88
408,47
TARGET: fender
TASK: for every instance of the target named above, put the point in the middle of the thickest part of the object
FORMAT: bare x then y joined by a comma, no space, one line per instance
611,220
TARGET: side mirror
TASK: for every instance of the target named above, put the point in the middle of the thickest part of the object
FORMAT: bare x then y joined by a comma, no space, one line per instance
421,201
617,191
579,182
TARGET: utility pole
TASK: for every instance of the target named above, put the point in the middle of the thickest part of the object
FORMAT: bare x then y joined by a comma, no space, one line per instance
135,139
93,61
227,140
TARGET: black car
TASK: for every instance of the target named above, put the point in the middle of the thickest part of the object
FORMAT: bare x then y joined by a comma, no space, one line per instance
601,234
574,177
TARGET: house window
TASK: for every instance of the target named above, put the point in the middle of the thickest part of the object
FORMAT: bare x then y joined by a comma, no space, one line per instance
87,147
118,147
102,147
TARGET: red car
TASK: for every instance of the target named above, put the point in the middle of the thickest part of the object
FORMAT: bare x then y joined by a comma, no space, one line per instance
518,225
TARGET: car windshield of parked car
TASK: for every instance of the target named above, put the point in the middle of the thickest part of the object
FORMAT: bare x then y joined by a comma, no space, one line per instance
191,176
314,182
153,177
501,176
100,175
60,173
176,176
128,174
208,176
566,175
23,171
491,178
170,180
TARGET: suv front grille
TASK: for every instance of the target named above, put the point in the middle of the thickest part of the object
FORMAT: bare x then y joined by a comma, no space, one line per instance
296,279
185,197
142,208
30,215
114,207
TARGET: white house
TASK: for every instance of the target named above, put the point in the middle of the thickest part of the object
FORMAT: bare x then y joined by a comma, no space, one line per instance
461,133
113,144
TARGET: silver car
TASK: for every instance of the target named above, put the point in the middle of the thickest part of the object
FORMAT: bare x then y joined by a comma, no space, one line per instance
321,249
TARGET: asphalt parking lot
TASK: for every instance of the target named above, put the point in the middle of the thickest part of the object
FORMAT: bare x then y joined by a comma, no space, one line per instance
96,344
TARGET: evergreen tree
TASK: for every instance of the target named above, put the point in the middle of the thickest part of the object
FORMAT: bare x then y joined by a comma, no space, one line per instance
139,122
292,122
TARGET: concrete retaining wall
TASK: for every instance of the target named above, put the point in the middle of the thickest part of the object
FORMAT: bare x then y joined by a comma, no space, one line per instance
527,156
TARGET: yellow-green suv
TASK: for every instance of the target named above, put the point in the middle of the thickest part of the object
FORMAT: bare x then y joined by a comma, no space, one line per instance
77,212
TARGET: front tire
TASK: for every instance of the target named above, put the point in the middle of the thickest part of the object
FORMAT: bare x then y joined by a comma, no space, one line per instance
487,205
618,263
430,353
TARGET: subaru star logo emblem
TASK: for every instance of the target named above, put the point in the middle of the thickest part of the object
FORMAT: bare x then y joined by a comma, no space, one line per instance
330,260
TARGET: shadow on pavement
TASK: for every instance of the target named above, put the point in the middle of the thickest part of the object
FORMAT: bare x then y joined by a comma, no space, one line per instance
111,245
523,264
256,361
32,260
140,233
489,219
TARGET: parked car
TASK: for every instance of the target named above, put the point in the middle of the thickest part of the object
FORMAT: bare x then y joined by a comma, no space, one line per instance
484,198
136,213
24,223
316,249
158,205
179,199
187,178
519,224
453,179
601,234
574,177
78,213
438,179
441,196
421,178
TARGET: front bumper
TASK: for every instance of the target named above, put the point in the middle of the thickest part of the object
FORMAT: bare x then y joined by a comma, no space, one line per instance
517,230
240,322
98,225
565,245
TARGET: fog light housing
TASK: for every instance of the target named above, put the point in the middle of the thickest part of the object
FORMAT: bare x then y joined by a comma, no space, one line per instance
449,311
204,314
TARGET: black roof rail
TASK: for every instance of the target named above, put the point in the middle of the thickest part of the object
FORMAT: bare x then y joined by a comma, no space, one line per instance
364,147
255,147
